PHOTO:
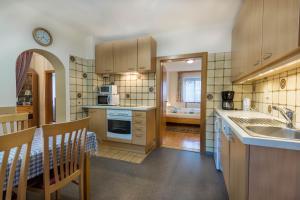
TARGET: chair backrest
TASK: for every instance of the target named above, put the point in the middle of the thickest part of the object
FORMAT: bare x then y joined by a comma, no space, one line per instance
12,147
13,122
64,145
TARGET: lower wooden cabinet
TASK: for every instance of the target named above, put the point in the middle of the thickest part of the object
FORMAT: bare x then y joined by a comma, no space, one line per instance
238,173
98,123
259,173
225,152
143,128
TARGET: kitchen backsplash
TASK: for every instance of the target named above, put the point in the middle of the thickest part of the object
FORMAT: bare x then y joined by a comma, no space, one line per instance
134,89
279,90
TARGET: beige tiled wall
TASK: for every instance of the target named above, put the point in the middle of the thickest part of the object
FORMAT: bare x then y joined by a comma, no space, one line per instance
81,86
134,89
218,80
268,92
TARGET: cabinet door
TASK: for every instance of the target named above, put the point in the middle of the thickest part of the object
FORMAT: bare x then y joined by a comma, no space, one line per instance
146,54
104,58
132,55
280,28
125,55
238,173
254,39
225,150
98,123
239,45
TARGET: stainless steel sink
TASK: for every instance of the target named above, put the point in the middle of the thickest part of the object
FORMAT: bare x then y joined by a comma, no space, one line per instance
264,127
277,132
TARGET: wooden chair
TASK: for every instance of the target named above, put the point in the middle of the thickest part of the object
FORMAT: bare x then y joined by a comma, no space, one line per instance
68,159
15,141
13,122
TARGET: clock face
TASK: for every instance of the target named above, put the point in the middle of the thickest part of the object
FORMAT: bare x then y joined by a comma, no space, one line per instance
42,36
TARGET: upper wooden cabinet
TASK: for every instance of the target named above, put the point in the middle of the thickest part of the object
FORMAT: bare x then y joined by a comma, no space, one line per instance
126,56
253,41
265,32
146,54
104,58
280,28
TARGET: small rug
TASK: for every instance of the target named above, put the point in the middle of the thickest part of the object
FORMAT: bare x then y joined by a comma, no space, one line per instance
120,154
183,128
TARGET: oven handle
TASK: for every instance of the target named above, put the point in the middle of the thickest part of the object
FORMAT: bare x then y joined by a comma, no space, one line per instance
120,118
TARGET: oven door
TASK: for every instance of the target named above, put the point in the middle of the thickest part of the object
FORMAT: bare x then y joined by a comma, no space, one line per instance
119,128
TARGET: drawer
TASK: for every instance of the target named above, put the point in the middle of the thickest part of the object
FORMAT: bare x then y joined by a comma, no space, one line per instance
139,136
138,114
139,121
139,129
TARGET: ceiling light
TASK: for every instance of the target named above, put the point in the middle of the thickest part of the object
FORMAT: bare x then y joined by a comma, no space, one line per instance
190,61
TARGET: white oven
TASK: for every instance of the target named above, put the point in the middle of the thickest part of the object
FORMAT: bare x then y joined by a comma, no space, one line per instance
119,124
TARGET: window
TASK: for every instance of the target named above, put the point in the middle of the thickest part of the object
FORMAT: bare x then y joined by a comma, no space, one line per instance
191,89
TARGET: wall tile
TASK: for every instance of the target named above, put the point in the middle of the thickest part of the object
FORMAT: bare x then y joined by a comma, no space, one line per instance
136,85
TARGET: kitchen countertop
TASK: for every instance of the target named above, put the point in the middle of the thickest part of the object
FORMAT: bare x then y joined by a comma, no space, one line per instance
137,108
252,140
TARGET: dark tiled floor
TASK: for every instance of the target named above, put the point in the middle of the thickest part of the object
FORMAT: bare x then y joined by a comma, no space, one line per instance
165,174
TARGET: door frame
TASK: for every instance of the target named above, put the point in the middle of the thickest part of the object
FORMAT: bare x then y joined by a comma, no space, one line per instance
159,94
48,97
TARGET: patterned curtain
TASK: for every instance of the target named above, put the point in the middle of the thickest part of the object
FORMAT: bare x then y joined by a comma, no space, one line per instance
22,66
179,87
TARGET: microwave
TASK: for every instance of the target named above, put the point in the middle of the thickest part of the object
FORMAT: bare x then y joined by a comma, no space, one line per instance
108,99
108,89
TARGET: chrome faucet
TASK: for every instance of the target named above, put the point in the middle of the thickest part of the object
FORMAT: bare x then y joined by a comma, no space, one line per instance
287,113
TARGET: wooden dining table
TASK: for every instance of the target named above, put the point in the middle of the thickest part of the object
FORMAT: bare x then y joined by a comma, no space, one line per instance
36,159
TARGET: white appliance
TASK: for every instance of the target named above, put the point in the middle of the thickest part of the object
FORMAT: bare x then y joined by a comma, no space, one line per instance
119,124
217,141
246,104
108,89
108,99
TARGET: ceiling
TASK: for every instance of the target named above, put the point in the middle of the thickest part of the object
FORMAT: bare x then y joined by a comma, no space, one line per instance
114,19
178,66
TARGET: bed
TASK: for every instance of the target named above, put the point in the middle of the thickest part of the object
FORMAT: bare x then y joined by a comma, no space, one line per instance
183,115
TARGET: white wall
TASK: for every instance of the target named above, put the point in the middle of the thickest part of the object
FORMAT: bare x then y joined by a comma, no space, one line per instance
200,39
16,24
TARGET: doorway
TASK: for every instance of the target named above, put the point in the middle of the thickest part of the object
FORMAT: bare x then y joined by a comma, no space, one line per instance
51,100
50,97
182,99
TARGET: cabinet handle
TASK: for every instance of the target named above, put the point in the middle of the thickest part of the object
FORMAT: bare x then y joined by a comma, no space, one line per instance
141,67
257,63
139,135
132,68
267,56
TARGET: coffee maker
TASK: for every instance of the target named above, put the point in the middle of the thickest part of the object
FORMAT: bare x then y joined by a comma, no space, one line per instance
227,100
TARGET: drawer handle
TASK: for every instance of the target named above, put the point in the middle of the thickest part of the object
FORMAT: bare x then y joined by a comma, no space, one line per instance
267,56
257,63
138,122
139,135
141,67
131,68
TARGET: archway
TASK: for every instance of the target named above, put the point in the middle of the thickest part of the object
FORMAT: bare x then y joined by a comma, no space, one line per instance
60,82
